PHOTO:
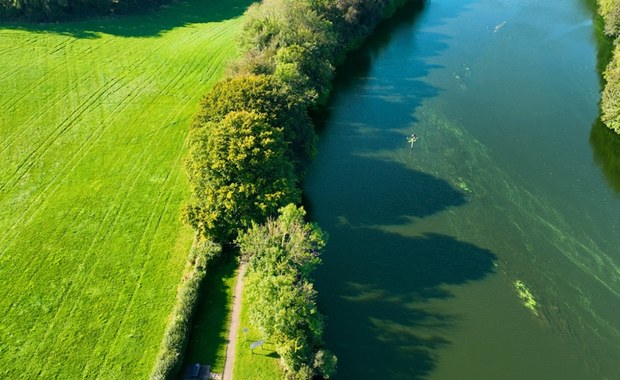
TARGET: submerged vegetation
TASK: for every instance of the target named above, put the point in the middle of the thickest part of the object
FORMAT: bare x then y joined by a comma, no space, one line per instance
526,296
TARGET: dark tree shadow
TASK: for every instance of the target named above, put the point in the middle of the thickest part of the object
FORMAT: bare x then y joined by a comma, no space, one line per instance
148,23
606,151
380,319
384,193
209,325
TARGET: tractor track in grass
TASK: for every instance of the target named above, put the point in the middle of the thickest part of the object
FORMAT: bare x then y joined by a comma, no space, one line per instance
180,74
84,272
64,125
30,160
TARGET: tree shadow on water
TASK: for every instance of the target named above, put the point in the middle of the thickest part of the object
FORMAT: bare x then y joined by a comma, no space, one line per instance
368,191
606,151
377,287
145,23
379,322
377,284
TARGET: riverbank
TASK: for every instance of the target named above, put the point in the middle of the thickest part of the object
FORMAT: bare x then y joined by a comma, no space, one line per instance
253,138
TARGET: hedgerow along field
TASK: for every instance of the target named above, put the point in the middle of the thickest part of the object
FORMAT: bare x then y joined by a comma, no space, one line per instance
93,121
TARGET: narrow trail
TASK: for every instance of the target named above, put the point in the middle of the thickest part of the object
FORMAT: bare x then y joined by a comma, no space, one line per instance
234,325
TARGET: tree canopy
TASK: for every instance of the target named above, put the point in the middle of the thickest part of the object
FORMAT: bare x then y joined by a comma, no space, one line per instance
239,172
56,10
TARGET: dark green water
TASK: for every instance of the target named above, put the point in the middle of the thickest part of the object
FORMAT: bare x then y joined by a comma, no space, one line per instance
511,180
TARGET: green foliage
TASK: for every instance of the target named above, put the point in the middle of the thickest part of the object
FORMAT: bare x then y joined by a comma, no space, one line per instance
610,101
610,10
281,255
292,34
284,245
55,10
240,174
355,19
272,99
172,349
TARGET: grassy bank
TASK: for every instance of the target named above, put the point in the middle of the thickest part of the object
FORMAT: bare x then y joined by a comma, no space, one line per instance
94,121
210,328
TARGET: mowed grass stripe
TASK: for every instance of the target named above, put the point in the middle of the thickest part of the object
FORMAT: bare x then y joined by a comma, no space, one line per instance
48,76
105,91
76,287
91,268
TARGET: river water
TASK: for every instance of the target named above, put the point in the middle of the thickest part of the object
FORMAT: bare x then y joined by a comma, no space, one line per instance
511,181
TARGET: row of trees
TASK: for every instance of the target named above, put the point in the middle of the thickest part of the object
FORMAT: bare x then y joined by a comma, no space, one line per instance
249,146
54,10
610,101
253,136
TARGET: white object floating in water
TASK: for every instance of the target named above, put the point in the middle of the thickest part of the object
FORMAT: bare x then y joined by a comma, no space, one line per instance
499,26
412,139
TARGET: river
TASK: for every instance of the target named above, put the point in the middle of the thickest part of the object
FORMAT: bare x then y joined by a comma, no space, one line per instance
509,196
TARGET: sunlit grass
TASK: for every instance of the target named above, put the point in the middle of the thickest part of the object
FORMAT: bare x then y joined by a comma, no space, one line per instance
93,120
260,363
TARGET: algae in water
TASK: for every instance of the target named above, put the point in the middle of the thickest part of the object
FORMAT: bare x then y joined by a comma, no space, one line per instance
526,296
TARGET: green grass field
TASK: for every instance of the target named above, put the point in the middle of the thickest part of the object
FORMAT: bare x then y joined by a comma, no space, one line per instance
93,122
